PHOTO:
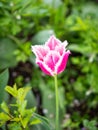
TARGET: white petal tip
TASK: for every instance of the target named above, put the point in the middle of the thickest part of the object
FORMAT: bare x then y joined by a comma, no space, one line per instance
65,43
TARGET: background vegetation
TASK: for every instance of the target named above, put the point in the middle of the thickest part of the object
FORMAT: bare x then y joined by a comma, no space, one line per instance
28,22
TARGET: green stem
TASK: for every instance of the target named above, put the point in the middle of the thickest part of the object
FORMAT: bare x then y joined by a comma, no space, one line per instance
57,103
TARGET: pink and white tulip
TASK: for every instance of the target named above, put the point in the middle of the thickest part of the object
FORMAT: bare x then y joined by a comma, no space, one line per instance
52,57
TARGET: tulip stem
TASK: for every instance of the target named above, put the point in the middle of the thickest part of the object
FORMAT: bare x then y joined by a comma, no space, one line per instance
57,103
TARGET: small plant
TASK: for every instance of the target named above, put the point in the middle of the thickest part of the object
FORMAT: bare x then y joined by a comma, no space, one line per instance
17,116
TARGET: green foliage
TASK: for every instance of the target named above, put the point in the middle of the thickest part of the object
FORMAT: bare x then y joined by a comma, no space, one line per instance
90,125
21,117
3,82
7,48
28,22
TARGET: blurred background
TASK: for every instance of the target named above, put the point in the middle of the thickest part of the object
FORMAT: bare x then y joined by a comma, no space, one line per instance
28,22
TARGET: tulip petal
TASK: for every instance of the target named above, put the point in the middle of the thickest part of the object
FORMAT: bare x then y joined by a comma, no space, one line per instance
65,43
60,49
44,68
62,62
40,51
52,42
52,59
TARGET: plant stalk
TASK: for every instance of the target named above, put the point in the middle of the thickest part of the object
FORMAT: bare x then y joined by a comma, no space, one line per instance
57,103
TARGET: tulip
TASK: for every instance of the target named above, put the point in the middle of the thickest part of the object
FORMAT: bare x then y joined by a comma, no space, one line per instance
52,57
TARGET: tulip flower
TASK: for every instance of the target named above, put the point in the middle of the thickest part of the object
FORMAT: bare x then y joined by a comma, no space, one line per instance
52,59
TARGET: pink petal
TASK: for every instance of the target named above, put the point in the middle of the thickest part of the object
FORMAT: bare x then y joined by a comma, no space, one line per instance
60,49
52,59
40,51
62,62
44,68
52,42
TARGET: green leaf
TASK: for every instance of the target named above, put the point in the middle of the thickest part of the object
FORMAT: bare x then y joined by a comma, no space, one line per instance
7,57
5,107
22,92
61,99
67,123
80,48
22,107
3,82
31,99
24,122
90,125
4,117
16,119
35,121
44,122
42,36
12,91
27,116
14,126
